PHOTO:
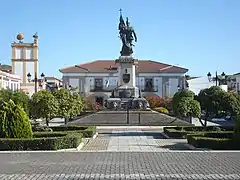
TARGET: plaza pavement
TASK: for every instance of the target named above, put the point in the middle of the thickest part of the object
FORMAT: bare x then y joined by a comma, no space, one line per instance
120,165
134,139
125,153
120,152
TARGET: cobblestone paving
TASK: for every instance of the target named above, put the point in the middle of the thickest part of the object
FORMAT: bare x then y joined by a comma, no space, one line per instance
99,143
120,165
172,144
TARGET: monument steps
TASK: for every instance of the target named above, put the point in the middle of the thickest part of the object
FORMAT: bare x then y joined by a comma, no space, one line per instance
137,118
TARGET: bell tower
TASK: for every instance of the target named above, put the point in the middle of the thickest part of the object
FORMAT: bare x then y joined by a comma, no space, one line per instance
25,60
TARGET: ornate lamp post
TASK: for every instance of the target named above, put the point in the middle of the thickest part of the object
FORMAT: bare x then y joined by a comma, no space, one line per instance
35,79
216,78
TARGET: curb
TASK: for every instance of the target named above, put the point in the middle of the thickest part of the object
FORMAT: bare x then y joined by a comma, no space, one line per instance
72,149
95,135
165,135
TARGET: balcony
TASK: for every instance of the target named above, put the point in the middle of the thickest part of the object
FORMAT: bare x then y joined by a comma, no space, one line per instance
102,88
148,89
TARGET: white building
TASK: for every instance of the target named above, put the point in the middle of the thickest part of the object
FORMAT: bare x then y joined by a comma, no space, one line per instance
98,78
9,81
198,83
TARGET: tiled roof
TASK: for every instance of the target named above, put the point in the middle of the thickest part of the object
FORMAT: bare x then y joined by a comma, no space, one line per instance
144,66
52,78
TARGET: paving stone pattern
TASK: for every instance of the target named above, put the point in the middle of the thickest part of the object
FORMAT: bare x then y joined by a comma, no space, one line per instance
135,118
133,140
120,165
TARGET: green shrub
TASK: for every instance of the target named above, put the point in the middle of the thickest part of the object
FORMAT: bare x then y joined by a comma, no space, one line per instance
182,131
237,128
17,97
43,141
86,131
14,122
161,110
215,141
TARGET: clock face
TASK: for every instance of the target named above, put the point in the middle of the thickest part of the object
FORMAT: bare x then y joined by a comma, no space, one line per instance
126,78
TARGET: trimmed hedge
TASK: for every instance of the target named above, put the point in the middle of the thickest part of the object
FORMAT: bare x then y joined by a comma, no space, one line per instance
86,131
215,141
43,141
182,131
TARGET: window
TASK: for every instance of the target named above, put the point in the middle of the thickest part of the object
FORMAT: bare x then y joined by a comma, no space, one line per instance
148,83
98,84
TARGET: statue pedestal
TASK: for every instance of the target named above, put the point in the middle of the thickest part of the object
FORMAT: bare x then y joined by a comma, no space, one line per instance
126,70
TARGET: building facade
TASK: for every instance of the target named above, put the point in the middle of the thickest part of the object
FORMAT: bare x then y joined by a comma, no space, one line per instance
52,83
25,61
99,78
9,81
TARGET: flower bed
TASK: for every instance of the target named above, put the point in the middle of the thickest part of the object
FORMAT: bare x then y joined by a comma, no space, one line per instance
183,131
214,141
42,141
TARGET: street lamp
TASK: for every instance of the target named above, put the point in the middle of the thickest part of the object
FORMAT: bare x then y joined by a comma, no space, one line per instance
178,87
216,78
35,79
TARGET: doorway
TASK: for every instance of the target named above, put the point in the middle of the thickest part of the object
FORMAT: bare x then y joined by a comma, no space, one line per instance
99,100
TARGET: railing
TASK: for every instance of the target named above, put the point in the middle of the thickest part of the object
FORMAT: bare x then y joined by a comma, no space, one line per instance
101,88
148,89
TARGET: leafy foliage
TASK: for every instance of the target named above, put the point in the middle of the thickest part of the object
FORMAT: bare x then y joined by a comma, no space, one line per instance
214,100
178,96
161,110
65,102
17,97
157,101
230,103
237,128
70,104
14,122
77,104
90,103
211,99
188,107
43,105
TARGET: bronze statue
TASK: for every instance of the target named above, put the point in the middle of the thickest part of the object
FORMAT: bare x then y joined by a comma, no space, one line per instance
127,35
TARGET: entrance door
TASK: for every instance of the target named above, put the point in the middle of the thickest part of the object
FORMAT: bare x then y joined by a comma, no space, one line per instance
99,100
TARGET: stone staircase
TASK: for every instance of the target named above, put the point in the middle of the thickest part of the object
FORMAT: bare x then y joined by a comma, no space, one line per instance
143,118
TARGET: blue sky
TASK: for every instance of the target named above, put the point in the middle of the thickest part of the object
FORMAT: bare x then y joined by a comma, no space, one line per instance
201,35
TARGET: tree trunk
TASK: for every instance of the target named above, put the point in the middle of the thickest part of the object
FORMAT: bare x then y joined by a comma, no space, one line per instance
66,120
47,121
202,123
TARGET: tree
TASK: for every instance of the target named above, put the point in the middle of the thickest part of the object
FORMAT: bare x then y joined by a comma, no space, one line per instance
78,104
188,107
43,105
177,98
230,102
14,122
17,97
211,100
237,128
70,104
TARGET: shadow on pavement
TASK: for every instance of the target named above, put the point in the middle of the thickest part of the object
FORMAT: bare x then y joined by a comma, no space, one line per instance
151,135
